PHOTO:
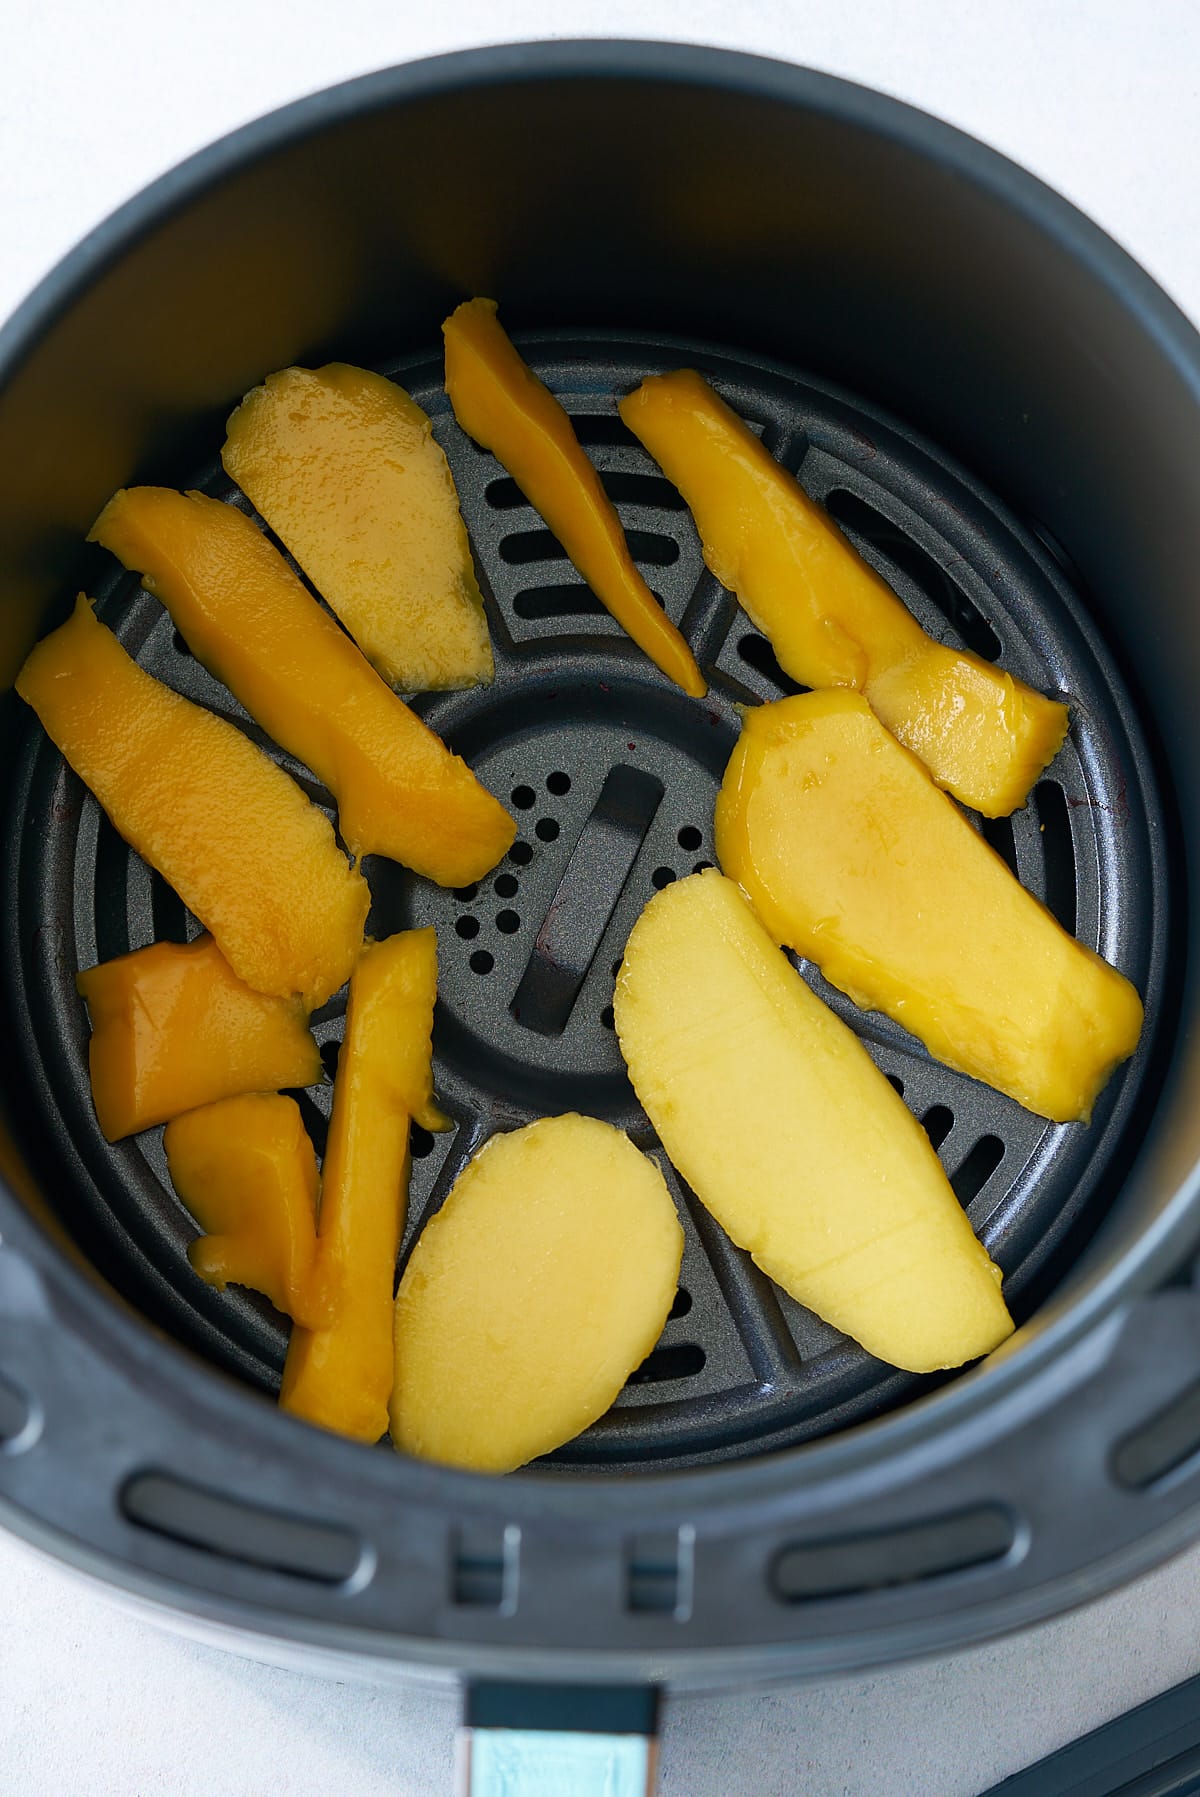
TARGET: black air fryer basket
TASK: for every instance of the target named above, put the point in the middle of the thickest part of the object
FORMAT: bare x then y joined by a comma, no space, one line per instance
1003,414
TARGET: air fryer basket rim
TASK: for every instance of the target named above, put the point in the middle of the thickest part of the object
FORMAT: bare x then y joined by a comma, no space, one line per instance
964,1413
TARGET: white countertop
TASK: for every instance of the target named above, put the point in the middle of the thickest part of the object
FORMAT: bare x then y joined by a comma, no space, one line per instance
1101,100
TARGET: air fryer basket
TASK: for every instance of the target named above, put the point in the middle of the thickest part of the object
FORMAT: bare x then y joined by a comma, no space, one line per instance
1003,414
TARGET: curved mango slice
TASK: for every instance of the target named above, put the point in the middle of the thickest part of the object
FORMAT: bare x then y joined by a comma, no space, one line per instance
236,838
852,857
343,466
790,1135
832,621
246,1170
340,1376
538,1288
245,615
502,404
174,1028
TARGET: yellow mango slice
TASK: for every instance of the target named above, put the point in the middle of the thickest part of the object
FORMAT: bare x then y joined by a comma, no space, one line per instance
340,1376
173,1028
538,1288
788,1133
343,466
399,790
246,1170
852,857
831,620
500,402
237,839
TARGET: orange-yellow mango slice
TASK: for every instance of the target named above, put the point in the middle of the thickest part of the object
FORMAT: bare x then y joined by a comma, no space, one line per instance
173,1028
538,1288
790,1135
245,615
340,1376
343,466
502,404
237,839
246,1170
854,858
832,621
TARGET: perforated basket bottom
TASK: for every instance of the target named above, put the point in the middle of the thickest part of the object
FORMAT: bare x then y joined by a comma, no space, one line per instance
612,774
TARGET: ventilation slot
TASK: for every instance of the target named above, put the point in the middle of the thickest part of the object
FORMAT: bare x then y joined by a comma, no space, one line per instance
1168,1441
1058,851
682,1304
234,1530
758,654
587,894
862,520
486,1567
648,490
937,1123
852,1565
659,1573
683,1360
16,1414
569,600
603,430
977,1169
998,832
524,547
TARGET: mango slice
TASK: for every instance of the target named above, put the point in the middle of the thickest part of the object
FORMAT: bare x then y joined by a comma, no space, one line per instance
173,1028
853,858
538,1288
502,404
788,1133
832,621
236,838
343,466
340,1376
245,615
246,1170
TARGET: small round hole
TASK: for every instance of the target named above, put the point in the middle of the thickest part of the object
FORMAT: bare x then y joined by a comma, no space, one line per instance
546,829
507,922
420,1142
329,1057
464,894
520,854
506,886
558,784
607,1019
662,876
481,961
523,797
689,837
702,867
467,927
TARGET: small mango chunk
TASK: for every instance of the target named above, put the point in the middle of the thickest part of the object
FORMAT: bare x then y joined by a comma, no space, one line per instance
344,467
786,1130
246,1170
831,620
245,615
340,1376
174,1028
538,1288
500,402
237,839
852,857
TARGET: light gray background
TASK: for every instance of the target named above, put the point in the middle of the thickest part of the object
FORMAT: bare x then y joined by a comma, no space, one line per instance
1100,99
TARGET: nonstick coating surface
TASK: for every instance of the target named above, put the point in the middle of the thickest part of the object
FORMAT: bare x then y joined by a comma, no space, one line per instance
601,759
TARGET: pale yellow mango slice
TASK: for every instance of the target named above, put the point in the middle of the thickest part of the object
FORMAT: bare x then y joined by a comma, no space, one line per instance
786,1130
832,621
344,467
538,1288
853,858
